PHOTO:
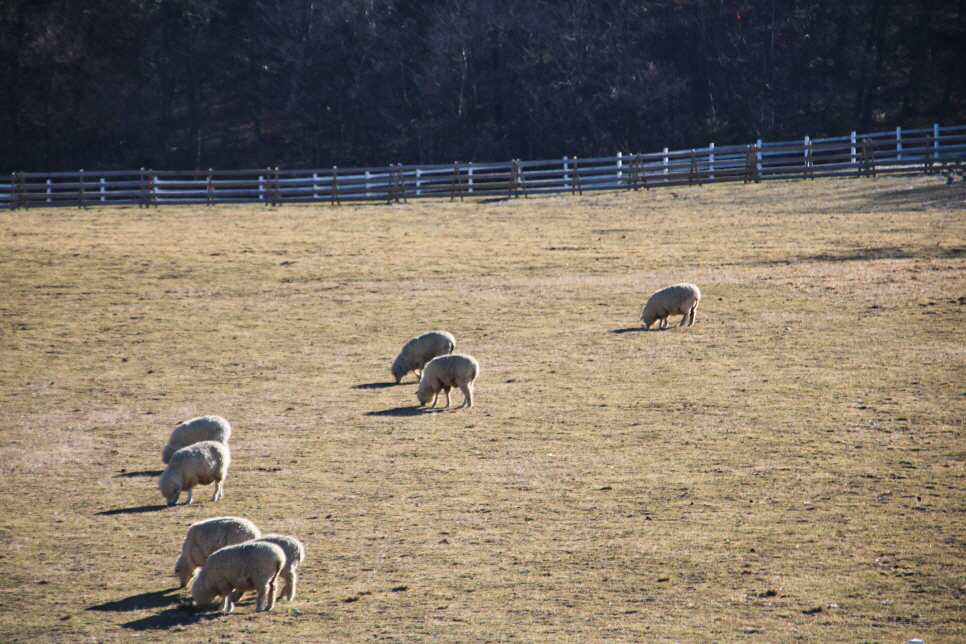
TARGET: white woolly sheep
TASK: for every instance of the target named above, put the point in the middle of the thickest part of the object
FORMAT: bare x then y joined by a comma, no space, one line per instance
203,428
418,351
205,537
672,300
294,555
199,464
444,373
253,565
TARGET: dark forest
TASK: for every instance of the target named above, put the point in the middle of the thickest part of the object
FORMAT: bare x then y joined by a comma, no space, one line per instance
186,84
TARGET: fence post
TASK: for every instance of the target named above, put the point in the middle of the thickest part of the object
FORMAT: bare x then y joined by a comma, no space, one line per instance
899,143
758,168
315,186
210,192
48,190
470,171
665,164
402,181
620,162
80,186
566,175
711,161
852,141
457,186
935,137
419,181
808,158
102,190
21,193
577,185
334,198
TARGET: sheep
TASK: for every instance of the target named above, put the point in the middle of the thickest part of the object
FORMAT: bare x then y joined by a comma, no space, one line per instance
294,555
418,351
205,537
199,464
253,565
444,373
203,428
680,298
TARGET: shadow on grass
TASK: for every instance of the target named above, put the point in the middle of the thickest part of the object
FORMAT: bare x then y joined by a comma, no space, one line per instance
632,329
170,618
131,475
175,613
137,510
377,385
144,601
877,253
399,411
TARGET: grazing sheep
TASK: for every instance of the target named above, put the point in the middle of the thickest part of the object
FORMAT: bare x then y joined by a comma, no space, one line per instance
199,464
680,298
418,351
205,537
253,565
444,373
294,555
203,428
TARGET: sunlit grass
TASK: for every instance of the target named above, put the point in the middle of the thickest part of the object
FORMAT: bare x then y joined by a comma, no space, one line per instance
792,467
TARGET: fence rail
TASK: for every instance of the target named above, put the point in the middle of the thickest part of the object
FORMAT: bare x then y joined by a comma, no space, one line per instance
907,151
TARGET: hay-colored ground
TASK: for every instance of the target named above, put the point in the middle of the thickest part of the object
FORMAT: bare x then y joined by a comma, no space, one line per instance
791,468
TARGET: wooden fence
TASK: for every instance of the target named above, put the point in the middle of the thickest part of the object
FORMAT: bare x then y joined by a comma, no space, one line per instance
925,150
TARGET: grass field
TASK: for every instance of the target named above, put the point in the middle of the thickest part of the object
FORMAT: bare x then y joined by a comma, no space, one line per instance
791,468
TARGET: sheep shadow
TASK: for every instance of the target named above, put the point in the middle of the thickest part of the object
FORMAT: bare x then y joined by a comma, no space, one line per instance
131,475
182,615
377,385
137,510
399,411
144,601
632,329
176,611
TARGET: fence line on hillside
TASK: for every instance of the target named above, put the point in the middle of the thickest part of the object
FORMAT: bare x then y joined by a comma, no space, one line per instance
924,150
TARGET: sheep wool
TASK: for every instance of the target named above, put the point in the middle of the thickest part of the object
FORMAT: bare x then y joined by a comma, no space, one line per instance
420,350
205,537
294,555
673,300
203,428
444,373
253,565
199,464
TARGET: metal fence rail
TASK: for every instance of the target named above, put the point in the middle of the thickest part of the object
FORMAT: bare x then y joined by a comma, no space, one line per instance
855,155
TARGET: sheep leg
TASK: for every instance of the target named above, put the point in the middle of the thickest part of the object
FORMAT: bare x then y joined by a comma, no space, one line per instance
663,323
288,591
684,318
448,402
435,396
190,490
227,605
467,396
266,597
219,490
694,309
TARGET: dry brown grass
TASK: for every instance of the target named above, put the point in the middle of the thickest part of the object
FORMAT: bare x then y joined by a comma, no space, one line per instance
791,468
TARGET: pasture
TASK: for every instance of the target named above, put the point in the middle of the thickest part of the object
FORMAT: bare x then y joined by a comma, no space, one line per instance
792,468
